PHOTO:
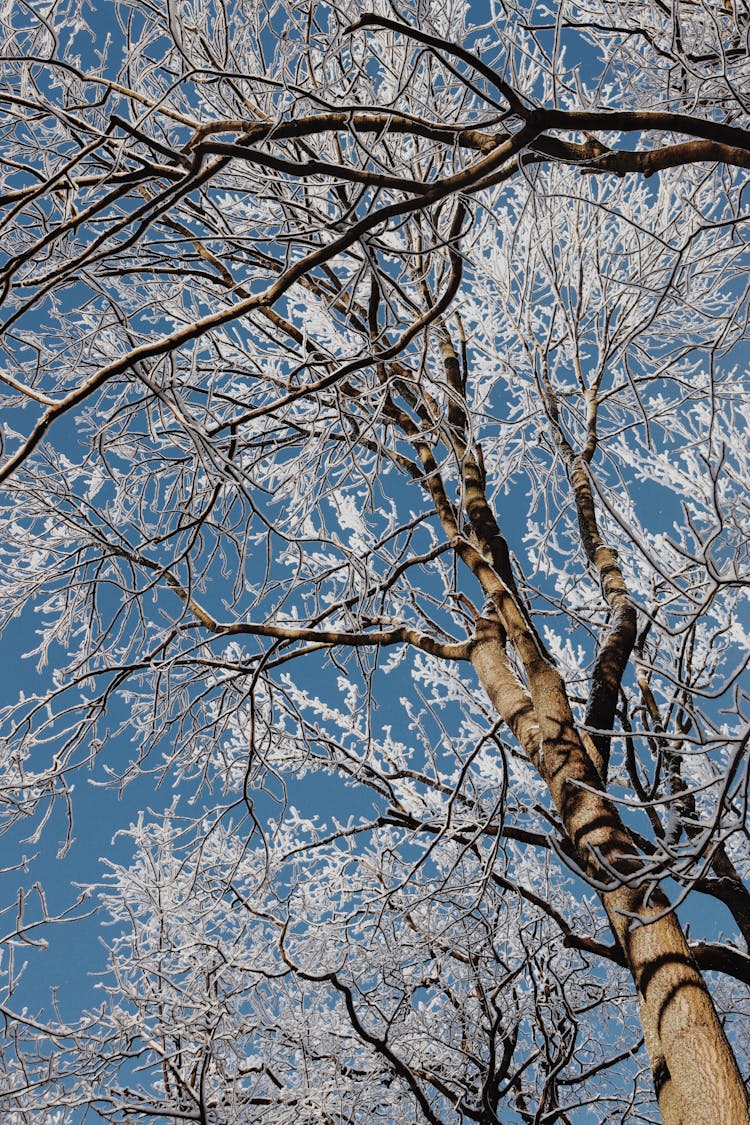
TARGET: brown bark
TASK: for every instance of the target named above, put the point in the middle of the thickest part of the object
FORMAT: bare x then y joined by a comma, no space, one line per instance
695,1075
615,651
696,1078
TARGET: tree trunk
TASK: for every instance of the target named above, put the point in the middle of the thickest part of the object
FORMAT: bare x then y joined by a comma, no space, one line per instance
696,1078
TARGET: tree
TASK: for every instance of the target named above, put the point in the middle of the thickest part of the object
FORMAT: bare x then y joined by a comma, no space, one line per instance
375,456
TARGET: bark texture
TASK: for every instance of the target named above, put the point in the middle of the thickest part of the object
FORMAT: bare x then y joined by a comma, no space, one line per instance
696,1077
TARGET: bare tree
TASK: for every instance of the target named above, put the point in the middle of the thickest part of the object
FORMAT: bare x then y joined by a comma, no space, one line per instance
375,457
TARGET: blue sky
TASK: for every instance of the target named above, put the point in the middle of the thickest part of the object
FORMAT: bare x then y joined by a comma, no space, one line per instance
75,951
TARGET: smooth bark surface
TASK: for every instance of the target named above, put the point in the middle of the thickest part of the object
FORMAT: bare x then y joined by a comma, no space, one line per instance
695,1074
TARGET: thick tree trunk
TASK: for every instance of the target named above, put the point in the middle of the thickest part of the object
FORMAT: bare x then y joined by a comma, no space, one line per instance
696,1078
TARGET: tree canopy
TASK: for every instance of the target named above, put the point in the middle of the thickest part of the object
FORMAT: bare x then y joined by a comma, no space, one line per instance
374,508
